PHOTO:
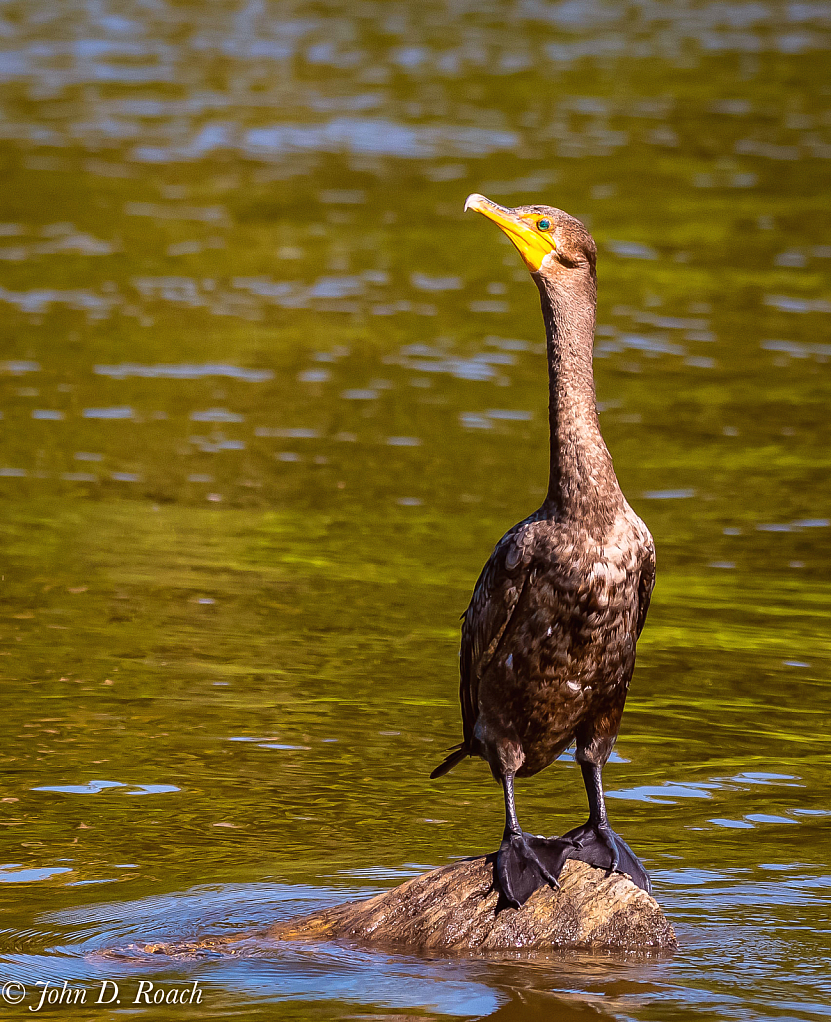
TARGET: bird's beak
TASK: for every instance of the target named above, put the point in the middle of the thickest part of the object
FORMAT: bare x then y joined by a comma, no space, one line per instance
533,245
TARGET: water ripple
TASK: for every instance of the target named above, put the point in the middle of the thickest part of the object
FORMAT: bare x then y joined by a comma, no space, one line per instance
183,371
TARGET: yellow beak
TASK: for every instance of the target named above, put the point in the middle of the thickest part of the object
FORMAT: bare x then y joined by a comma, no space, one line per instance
532,244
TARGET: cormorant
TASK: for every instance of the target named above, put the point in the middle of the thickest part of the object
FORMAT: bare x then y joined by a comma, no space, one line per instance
548,640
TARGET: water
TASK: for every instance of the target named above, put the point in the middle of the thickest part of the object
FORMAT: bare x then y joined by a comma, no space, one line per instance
269,399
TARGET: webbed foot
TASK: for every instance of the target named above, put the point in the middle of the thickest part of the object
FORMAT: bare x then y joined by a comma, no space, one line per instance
526,862
598,845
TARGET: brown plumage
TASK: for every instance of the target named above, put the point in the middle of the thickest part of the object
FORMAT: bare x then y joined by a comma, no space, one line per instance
548,640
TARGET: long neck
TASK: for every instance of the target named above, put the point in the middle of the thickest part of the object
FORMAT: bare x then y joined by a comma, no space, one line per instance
582,481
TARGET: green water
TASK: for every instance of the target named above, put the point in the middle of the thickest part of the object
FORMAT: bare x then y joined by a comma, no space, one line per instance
269,399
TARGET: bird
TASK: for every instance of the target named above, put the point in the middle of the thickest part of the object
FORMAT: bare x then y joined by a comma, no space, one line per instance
548,639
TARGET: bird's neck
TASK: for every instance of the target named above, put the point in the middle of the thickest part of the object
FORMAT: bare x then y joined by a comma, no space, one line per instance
582,481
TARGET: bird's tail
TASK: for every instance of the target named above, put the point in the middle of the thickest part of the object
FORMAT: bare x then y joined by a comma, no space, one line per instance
457,754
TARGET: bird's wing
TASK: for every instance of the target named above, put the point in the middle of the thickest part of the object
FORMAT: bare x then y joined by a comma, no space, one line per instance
487,619
646,585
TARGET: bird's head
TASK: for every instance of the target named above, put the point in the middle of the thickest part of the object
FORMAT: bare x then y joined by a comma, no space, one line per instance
551,242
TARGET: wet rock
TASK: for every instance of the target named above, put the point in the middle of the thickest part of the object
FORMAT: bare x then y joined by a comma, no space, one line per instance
455,907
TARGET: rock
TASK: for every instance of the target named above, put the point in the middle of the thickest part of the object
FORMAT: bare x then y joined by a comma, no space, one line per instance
455,908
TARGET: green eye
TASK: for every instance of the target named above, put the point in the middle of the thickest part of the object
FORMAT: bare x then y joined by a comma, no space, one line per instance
543,225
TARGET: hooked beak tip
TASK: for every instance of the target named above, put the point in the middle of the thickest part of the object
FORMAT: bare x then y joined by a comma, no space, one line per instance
473,201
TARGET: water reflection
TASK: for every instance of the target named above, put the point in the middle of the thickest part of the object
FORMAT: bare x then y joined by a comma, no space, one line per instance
510,986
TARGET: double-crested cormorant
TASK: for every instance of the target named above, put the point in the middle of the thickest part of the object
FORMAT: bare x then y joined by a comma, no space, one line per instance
548,641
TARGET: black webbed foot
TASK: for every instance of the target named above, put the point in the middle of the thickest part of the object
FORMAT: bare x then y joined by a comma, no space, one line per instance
598,845
526,862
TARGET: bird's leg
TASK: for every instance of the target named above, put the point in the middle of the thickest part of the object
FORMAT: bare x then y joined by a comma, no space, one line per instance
595,842
598,821
525,862
512,827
